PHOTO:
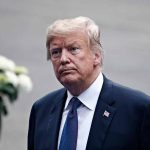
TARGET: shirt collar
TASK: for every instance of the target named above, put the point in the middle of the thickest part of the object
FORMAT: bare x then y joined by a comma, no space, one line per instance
90,96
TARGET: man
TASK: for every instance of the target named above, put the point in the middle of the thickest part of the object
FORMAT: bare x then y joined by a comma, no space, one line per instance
109,116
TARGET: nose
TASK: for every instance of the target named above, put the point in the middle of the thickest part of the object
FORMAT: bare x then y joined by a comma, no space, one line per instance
64,57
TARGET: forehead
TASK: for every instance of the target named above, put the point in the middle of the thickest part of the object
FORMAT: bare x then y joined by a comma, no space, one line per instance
71,38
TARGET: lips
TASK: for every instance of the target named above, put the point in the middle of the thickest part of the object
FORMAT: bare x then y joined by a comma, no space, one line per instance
66,70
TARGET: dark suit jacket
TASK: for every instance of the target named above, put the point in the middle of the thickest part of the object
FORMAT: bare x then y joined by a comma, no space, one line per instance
127,127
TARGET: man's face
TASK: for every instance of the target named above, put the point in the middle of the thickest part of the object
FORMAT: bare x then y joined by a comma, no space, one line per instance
73,61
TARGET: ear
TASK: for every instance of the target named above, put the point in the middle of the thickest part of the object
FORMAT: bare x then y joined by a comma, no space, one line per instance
97,58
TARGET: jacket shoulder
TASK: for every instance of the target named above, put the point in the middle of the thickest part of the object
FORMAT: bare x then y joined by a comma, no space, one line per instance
51,98
130,93
123,93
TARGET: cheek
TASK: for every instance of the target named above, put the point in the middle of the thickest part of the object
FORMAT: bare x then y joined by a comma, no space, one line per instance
55,67
85,66
87,62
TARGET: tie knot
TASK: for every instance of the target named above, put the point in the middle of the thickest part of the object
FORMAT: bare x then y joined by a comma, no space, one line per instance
75,103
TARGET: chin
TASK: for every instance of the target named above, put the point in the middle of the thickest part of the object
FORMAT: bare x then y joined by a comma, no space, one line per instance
67,81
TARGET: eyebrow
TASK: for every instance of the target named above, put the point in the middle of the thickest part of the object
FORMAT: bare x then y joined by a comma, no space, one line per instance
55,44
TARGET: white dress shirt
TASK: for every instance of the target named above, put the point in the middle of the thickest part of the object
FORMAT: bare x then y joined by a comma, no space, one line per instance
86,111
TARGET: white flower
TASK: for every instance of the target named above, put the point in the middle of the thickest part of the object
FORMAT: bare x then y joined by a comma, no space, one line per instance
24,83
21,70
12,78
6,64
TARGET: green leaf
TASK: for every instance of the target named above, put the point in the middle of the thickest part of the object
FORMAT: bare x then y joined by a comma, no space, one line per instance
9,90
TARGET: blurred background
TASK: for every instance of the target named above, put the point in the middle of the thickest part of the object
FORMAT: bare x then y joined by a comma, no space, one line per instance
125,36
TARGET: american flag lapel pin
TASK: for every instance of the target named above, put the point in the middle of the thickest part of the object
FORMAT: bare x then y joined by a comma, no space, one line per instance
106,113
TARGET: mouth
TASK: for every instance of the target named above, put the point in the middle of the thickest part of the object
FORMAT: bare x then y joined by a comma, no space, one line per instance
66,71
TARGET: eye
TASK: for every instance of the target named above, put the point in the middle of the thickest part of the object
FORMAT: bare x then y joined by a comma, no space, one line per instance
74,50
55,52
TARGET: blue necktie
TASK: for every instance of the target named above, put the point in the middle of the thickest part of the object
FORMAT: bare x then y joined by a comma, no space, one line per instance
69,135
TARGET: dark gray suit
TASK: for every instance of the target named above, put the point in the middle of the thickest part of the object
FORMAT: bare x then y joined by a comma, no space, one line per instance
127,127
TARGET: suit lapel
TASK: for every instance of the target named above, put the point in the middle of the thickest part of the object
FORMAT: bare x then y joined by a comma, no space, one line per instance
103,116
54,121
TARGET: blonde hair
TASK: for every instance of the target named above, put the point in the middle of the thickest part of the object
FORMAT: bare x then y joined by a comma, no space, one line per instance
67,26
